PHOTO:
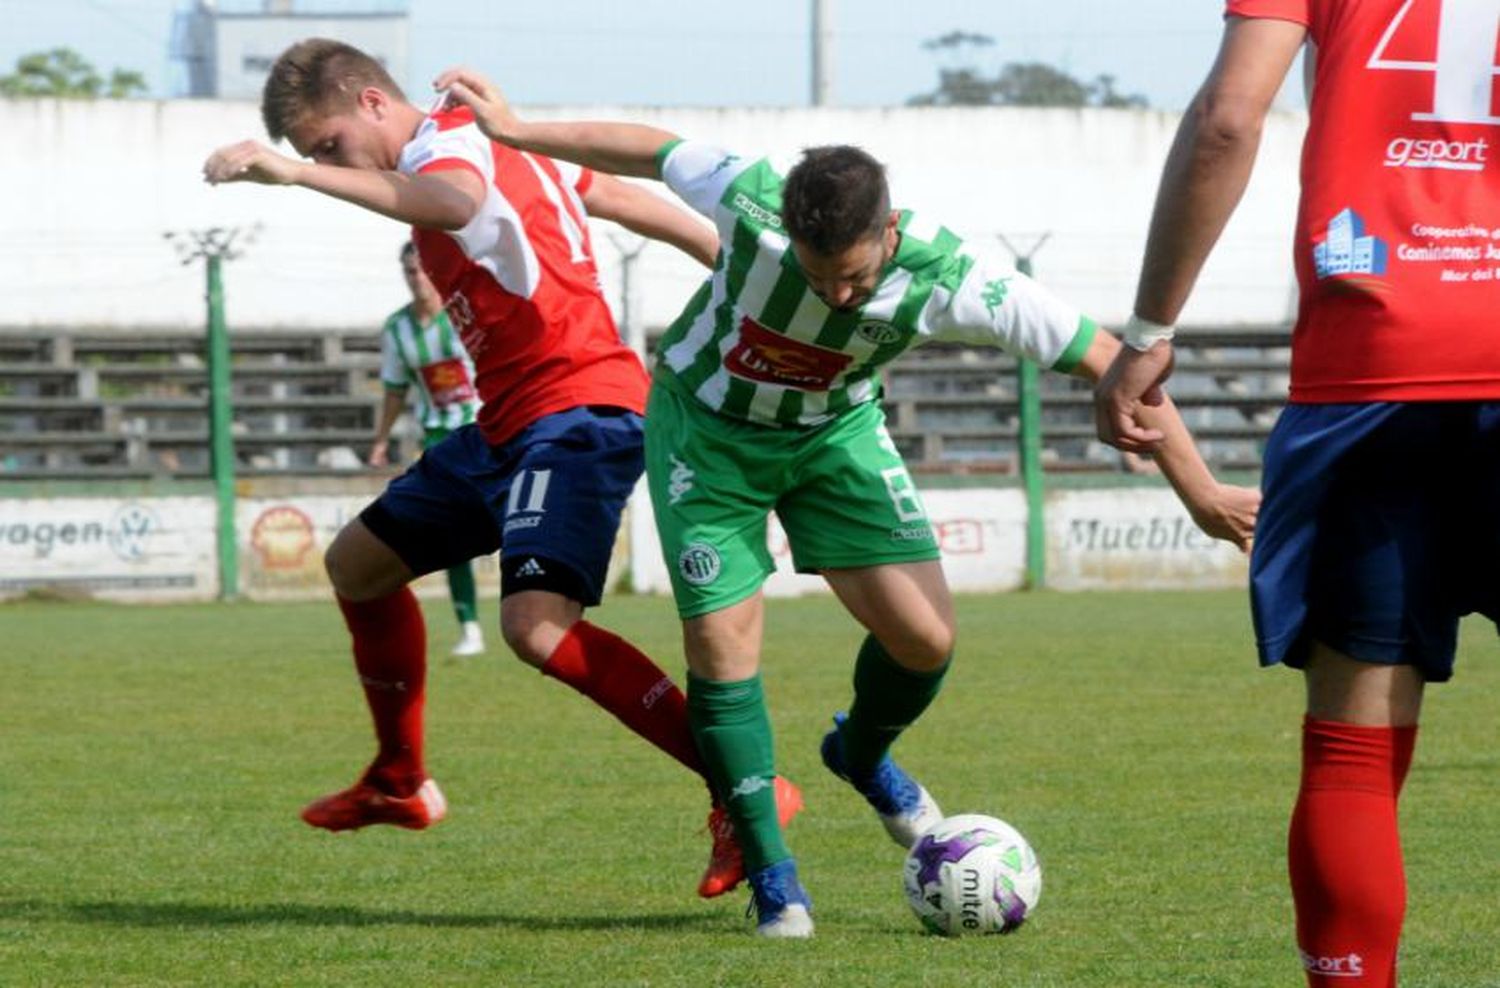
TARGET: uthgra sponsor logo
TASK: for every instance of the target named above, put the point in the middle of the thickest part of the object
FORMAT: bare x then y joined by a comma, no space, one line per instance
767,356
1153,535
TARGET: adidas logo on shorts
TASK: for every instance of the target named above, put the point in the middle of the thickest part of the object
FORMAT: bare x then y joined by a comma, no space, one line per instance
530,568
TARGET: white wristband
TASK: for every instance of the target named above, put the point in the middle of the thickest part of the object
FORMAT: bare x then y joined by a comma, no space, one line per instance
1140,334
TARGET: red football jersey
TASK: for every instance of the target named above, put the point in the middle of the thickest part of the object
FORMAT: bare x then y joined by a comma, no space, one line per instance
1398,231
519,282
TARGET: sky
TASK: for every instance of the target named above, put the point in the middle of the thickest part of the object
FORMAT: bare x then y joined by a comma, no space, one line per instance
701,52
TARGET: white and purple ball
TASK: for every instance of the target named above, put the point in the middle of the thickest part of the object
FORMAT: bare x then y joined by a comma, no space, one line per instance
972,874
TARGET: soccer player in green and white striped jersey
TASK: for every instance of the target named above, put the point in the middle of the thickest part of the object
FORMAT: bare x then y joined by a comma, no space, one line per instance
765,397
421,355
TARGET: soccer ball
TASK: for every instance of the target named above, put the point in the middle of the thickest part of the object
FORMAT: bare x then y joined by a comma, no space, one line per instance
972,874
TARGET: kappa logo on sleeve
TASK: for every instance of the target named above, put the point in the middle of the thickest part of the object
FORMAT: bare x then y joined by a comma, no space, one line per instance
728,160
995,293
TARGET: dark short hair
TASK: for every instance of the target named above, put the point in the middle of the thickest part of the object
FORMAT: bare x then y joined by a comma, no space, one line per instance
408,249
320,76
834,197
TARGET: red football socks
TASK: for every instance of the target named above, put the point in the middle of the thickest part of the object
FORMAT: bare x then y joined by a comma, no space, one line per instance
620,678
390,653
1344,852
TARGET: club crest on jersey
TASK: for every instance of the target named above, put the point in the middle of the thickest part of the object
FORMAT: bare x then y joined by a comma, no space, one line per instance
699,563
767,356
877,332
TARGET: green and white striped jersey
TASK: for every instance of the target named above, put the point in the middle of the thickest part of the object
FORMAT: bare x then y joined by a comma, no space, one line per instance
756,343
432,361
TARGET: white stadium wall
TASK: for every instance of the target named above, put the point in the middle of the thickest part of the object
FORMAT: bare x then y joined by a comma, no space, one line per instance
141,548
96,184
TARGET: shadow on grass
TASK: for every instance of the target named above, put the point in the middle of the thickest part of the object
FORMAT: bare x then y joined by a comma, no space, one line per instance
203,914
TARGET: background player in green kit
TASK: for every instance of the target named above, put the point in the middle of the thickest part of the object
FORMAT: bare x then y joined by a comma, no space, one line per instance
421,354
765,396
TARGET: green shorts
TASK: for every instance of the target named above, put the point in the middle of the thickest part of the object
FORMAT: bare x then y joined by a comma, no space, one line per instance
840,490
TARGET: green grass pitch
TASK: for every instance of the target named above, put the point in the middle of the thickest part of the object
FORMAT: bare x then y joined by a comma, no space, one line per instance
153,759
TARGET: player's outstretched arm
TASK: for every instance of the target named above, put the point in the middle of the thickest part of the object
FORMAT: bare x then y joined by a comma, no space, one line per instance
445,200
1204,178
616,148
651,216
1224,511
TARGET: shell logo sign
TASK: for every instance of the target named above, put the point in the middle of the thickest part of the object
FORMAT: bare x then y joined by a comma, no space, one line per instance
282,536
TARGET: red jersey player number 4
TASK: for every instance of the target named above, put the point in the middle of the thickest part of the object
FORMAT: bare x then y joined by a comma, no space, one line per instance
1398,236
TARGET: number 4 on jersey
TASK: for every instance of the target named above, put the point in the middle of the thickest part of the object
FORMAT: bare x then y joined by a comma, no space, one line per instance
1462,60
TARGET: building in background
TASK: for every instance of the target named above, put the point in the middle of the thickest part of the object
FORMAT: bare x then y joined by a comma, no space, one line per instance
225,49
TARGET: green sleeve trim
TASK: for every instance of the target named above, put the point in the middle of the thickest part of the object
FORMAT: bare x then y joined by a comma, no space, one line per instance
662,153
393,386
1073,355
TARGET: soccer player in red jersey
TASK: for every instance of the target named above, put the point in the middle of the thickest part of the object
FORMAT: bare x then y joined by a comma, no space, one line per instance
545,472
1379,528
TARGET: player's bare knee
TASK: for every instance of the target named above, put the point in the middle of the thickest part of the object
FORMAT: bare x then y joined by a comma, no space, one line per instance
526,640
933,651
533,624
336,565
354,575
925,650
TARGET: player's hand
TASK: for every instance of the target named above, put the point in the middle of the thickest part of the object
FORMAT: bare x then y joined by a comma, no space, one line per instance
250,161
380,455
1134,379
465,87
1229,514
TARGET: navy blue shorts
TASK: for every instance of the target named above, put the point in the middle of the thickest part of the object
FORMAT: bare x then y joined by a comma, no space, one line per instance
1380,528
549,500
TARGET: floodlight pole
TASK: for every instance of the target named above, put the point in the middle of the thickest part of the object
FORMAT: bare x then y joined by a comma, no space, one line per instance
822,52
1029,443
214,246
630,249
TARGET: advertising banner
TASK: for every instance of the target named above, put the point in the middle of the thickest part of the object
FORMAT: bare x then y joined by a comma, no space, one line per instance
282,541
163,548
1134,539
159,548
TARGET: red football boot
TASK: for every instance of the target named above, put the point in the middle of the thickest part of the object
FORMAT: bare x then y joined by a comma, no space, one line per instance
362,804
726,864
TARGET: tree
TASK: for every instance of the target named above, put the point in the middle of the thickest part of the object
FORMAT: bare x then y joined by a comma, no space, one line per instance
62,72
1016,84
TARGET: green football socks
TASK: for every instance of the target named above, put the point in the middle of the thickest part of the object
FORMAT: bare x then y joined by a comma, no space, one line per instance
887,699
733,732
461,589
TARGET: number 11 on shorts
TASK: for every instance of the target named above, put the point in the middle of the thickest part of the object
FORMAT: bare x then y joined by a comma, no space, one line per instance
534,497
